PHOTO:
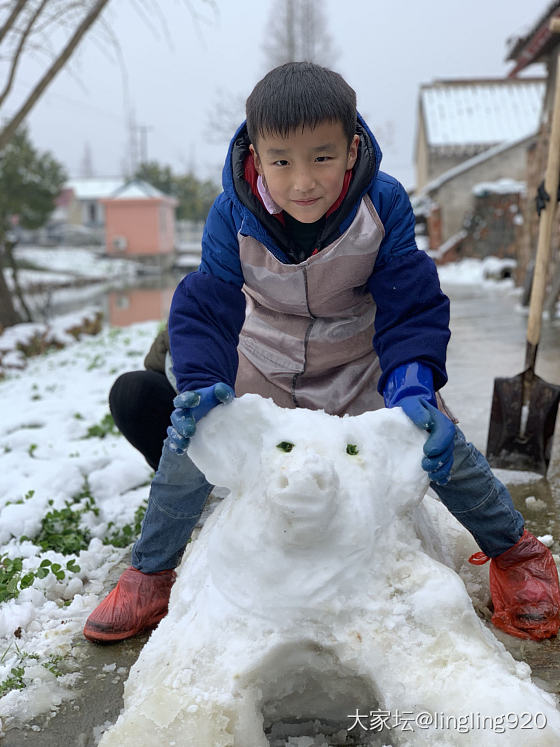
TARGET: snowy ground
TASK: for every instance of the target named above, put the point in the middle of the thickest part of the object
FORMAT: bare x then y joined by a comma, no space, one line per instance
65,476
75,262
66,480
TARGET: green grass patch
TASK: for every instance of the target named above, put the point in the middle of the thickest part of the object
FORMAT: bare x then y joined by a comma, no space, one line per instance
61,528
15,680
123,536
13,579
105,428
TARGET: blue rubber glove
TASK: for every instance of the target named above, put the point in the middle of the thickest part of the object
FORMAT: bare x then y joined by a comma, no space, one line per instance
190,407
411,387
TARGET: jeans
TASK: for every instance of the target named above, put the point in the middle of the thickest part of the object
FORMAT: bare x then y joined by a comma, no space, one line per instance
480,502
177,496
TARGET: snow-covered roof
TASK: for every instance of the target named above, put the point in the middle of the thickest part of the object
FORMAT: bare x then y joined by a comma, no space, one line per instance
503,186
94,188
137,189
463,113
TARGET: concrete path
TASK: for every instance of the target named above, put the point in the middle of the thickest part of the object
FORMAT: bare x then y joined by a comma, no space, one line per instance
488,340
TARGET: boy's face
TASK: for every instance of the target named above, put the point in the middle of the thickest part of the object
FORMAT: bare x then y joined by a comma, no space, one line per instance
304,171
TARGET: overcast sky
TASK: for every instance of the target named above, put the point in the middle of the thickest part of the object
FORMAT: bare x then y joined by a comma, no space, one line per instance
386,51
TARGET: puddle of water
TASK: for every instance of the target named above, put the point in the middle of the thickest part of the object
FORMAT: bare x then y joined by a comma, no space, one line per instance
147,299
539,502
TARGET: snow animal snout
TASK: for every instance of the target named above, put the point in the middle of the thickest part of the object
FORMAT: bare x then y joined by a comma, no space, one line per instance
304,492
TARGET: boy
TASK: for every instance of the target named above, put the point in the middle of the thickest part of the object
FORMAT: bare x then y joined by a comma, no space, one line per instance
308,245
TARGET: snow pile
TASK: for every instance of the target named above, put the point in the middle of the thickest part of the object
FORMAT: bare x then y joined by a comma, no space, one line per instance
503,186
477,272
321,590
83,263
58,451
32,279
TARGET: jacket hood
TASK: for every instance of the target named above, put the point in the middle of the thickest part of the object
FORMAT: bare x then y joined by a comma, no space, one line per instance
264,226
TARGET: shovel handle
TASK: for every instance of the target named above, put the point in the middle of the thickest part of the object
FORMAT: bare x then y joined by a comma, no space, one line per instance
546,222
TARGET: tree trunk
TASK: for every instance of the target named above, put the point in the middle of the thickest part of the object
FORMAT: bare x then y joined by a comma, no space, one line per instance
8,313
18,290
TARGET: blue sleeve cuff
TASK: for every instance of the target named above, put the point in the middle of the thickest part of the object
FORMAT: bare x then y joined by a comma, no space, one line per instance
409,380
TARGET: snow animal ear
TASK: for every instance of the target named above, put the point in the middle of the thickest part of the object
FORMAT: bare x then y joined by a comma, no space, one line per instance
227,445
407,461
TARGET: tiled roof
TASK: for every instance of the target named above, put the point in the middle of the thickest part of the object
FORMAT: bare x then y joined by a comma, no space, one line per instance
462,113
539,41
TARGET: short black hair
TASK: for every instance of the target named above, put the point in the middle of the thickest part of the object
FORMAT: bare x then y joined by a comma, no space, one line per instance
300,94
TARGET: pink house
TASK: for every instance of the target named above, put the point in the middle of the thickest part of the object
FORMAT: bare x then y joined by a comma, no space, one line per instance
139,221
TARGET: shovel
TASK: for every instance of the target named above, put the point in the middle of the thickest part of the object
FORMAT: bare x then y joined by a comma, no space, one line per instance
524,407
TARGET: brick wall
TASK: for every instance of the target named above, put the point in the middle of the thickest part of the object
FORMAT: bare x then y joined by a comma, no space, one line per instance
495,225
454,195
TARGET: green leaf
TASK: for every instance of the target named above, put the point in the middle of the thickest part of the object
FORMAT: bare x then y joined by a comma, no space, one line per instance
26,580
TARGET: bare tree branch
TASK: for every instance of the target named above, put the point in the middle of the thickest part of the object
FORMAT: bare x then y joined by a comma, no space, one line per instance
16,10
92,16
19,50
9,249
301,33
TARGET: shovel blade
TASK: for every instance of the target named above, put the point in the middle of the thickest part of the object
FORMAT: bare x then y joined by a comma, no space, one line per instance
520,435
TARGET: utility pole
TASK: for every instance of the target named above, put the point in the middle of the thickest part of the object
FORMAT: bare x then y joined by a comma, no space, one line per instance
138,144
143,137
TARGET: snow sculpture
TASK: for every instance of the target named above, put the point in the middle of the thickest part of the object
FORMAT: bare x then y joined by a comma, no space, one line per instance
314,592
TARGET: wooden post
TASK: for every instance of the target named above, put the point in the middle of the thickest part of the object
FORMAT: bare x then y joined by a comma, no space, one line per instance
553,472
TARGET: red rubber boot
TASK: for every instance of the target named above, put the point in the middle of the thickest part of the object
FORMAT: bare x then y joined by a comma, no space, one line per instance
524,589
138,602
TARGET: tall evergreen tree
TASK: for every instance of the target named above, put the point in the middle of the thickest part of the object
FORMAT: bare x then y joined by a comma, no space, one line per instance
30,182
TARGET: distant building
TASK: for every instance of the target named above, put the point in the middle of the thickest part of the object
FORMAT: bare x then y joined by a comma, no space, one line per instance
86,208
470,131
79,216
539,45
458,119
140,222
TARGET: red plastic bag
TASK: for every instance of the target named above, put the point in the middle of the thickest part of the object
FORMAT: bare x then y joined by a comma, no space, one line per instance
524,588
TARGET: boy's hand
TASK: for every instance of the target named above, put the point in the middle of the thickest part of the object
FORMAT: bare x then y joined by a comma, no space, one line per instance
411,387
440,444
190,407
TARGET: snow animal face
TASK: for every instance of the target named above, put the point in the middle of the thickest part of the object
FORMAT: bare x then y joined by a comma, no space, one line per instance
297,457
311,496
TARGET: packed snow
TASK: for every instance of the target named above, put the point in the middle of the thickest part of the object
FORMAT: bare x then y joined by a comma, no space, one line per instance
321,591
472,271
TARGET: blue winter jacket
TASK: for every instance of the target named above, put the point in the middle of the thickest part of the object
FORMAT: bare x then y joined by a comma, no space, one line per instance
208,307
